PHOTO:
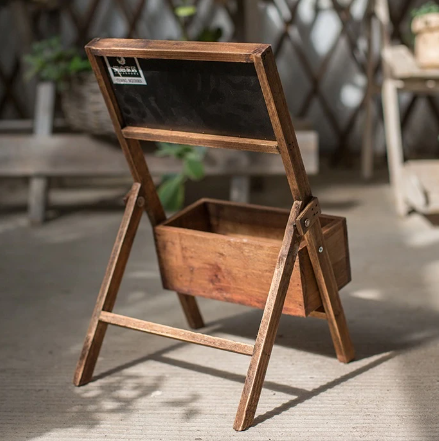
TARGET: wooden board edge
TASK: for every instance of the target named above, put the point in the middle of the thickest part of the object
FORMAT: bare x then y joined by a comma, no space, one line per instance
180,50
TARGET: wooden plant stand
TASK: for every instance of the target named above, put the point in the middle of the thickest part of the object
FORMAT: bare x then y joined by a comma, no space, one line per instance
295,260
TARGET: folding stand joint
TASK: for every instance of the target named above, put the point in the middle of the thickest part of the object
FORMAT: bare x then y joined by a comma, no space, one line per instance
308,216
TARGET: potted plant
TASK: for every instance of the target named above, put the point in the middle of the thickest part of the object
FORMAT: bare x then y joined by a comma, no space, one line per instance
425,27
81,99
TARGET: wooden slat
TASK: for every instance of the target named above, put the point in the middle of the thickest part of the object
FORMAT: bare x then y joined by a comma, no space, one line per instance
175,333
133,155
175,50
319,313
403,64
282,125
60,155
27,125
308,216
203,139
82,155
321,262
131,148
269,323
109,288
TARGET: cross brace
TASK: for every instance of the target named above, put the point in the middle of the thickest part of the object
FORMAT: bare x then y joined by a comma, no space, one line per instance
176,333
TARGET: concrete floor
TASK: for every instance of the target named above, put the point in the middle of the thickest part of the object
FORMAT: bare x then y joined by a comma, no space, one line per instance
152,388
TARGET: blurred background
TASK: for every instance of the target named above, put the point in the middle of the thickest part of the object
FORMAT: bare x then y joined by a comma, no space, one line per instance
327,52
321,50
63,179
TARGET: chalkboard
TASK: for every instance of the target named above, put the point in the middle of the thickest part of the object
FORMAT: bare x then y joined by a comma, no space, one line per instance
218,98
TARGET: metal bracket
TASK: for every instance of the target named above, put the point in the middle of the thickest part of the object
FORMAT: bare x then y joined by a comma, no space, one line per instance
308,216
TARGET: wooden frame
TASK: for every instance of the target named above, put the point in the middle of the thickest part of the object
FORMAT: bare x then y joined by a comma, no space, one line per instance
303,221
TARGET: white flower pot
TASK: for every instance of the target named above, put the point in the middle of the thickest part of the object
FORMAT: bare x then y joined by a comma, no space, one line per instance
426,29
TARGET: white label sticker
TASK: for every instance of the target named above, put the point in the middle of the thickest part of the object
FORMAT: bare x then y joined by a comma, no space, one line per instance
125,70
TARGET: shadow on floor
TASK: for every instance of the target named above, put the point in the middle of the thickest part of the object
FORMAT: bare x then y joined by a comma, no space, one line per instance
382,331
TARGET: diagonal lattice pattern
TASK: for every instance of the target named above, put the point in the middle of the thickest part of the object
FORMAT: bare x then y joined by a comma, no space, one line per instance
78,21
320,35
320,47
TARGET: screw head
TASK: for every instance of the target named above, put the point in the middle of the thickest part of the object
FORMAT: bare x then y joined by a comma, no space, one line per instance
307,222
140,201
321,250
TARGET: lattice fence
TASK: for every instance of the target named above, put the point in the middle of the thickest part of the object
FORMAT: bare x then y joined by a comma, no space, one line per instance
320,47
80,20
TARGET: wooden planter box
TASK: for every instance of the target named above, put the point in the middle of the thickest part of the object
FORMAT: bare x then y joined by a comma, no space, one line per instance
228,251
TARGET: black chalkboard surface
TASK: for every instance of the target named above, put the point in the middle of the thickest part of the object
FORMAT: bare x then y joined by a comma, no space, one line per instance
218,98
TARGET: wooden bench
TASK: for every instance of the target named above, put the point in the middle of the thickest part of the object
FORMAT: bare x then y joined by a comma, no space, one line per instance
41,157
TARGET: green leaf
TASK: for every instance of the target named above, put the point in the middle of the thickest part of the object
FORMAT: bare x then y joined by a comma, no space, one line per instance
178,151
171,192
78,64
49,60
210,34
427,8
185,11
193,167
165,149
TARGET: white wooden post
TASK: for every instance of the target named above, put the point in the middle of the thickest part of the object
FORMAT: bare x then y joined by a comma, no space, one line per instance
43,126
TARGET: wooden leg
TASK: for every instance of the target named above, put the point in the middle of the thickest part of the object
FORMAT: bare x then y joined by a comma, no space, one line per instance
110,286
395,155
329,292
269,324
367,152
38,196
191,311
39,185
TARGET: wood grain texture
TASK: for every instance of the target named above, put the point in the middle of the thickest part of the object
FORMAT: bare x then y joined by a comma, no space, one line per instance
282,125
319,313
403,65
109,288
319,254
176,333
134,157
131,148
203,139
81,155
225,250
175,50
269,323
201,252
308,216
